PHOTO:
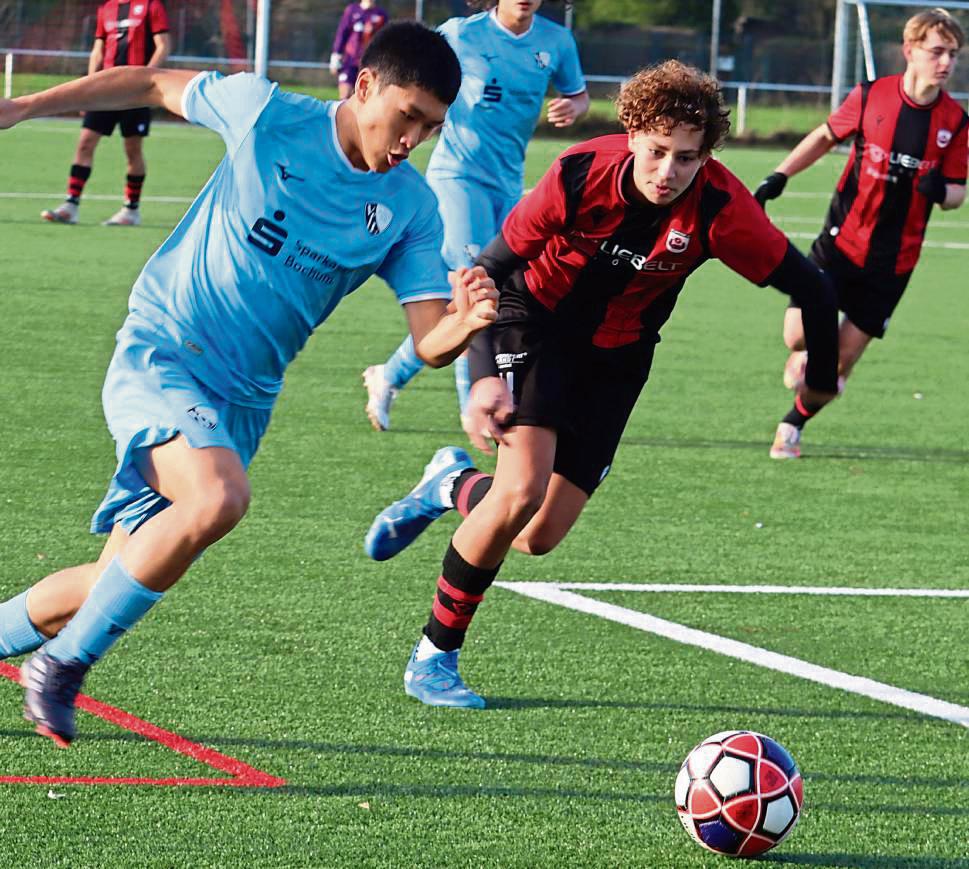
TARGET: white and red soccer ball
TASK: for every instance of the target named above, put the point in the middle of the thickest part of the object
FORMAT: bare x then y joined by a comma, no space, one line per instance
739,793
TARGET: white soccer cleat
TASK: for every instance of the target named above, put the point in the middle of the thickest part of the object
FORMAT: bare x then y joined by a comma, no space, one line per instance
124,217
66,212
787,442
794,369
380,397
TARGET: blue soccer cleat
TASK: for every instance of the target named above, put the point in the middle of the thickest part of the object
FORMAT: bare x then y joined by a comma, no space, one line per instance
396,527
435,681
51,689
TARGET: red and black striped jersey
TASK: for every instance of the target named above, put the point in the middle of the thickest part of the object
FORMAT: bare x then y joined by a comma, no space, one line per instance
129,29
877,217
615,266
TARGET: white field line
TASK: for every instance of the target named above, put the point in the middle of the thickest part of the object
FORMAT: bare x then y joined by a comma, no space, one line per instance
748,589
921,703
936,224
100,197
944,245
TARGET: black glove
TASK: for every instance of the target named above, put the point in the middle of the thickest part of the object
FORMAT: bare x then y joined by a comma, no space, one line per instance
932,186
770,188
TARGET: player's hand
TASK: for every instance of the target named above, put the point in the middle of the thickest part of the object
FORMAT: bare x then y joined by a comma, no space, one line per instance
11,113
489,413
475,298
561,112
335,61
932,186
770,188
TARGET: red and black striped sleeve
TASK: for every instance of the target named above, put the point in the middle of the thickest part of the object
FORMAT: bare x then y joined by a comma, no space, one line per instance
845,121
954,163
157,18
100,32
538,216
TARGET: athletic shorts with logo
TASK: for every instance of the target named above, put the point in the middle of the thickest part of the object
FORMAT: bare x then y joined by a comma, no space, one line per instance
868,300
149,397
560,380
133,122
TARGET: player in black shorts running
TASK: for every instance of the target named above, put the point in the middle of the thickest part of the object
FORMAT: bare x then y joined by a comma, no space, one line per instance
127,34
590,265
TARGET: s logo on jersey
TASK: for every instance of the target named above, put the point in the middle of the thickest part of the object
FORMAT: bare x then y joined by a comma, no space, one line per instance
269,237
677,242
943,137
492,92
378,217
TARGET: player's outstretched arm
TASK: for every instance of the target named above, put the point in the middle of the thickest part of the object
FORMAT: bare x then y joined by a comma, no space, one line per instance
122,87
808,151
442,333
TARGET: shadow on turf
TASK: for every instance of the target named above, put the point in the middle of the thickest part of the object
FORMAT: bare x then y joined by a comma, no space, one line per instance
859,861
857,452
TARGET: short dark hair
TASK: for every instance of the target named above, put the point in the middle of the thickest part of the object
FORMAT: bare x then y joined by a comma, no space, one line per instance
407,53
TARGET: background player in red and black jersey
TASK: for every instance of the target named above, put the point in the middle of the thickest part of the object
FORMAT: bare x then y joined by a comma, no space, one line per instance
909,154
130,33
590,265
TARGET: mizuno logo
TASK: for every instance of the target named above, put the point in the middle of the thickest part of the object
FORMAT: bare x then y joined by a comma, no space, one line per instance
285,174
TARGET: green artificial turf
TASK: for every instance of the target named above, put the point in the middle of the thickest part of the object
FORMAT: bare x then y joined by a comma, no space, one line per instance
284,646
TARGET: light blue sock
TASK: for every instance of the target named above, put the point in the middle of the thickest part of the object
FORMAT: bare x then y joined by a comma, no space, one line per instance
114,606
462,380
403,365
17,632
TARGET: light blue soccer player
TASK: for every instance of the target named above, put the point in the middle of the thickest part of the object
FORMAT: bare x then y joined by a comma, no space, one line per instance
508,57
310,200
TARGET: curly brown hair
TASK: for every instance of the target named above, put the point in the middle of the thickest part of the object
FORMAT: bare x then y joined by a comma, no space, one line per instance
664,96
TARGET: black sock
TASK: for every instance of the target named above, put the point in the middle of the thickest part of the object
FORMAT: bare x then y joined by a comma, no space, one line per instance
460,588
799,414
75,184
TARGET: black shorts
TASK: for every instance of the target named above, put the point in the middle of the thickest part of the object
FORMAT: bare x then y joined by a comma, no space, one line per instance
134,122
561,381
866,299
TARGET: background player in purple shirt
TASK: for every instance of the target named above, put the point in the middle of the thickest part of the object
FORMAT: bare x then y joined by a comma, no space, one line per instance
359,23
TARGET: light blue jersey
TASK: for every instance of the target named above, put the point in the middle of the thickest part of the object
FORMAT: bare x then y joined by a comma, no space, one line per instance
282,231
504,81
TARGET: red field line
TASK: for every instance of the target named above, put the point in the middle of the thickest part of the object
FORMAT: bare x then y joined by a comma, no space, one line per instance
243,775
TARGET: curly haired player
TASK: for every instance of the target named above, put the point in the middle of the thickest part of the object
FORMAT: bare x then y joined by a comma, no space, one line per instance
590,265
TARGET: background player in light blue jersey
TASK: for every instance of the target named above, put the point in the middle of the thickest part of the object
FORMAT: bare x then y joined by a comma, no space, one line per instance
508,55
310,200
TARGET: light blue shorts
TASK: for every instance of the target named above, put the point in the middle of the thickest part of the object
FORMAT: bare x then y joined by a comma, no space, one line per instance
149,397
472,215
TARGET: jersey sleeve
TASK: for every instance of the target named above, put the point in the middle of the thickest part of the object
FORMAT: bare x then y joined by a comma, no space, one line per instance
414,267
537,217
957,156
449,30
99,30
845,120
568,78
342,32
157,18
743,238
229,105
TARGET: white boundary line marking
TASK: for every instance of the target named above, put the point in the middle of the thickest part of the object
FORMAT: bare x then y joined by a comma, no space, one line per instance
748,589
921,703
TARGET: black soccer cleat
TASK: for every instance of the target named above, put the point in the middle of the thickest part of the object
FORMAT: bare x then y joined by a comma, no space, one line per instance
50,691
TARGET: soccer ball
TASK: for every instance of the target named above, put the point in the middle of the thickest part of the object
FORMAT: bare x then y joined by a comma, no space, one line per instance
739,793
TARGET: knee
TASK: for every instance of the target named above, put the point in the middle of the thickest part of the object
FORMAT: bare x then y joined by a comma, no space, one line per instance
522,500
217,510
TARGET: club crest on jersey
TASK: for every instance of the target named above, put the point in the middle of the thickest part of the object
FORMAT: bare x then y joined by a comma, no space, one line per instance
137,10
543,59
677,242
378,217
943,137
